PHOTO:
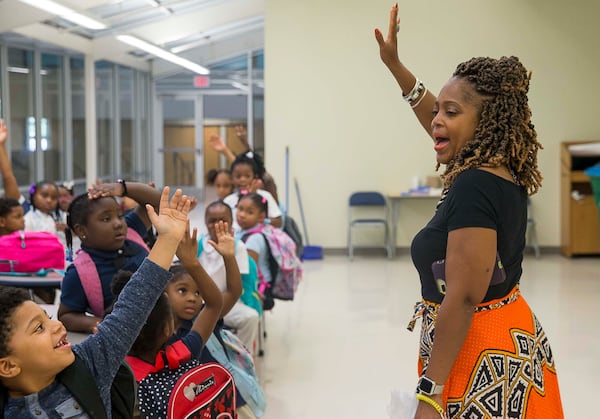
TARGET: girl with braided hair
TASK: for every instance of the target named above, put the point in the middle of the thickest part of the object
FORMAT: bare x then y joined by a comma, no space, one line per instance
483,352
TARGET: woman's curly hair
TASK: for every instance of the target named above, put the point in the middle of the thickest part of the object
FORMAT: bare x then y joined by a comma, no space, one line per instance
505,134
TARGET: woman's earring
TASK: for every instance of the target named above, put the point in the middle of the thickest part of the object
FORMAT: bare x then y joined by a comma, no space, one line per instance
83,237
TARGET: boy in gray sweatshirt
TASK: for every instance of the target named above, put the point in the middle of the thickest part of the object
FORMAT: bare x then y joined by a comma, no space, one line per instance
34,349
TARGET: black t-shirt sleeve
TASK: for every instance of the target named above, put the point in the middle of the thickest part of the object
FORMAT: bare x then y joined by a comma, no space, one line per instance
474,202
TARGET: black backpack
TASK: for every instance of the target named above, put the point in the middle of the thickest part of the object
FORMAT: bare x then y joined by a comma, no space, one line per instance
291,229
80,382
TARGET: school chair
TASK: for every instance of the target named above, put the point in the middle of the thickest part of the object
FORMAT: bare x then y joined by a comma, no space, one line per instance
368,200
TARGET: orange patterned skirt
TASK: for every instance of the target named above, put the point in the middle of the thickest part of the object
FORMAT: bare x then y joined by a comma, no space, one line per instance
505,368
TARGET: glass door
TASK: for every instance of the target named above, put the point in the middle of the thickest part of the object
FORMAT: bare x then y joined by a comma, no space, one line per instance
182,141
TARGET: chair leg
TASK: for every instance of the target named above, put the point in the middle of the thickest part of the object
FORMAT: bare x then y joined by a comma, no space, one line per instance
350,248
388,248
262,334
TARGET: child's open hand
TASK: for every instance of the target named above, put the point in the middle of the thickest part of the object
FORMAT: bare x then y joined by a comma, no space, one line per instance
188,246
172,218
225,244
217,143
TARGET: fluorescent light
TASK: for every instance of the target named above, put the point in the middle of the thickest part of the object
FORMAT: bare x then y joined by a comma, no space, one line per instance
66,13
23,70
162,53
20,70
239,85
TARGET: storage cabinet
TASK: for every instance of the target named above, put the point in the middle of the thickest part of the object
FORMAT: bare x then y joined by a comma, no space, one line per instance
580,231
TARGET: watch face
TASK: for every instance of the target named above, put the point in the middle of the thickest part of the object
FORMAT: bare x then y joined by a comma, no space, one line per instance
426,385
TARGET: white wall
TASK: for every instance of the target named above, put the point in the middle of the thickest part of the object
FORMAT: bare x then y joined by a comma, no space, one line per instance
329,97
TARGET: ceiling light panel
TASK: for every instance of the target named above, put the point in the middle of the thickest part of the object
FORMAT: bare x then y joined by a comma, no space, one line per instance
66,13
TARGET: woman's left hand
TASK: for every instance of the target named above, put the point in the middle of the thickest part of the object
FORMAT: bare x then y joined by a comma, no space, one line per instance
388,47
426,411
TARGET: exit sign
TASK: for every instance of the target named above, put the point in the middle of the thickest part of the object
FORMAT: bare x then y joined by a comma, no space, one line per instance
201,81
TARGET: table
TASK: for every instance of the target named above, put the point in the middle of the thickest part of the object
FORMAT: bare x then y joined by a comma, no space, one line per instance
394,200
52,279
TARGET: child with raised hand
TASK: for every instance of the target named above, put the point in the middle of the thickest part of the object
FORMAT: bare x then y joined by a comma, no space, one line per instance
227,271
148,354
221,264
251,212
112,241
184,293
35,355
247,171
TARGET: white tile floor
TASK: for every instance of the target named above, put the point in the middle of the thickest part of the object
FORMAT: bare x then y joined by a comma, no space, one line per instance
341,346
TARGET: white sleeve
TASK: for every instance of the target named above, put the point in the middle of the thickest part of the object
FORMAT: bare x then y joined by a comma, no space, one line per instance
274,210
241,256
231,200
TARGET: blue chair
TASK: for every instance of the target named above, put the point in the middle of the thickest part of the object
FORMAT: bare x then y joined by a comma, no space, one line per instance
372,200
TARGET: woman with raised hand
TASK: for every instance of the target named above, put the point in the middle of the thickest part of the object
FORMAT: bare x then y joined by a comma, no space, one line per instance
483,352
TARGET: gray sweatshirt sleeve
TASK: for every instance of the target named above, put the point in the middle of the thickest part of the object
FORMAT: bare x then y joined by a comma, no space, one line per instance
104,351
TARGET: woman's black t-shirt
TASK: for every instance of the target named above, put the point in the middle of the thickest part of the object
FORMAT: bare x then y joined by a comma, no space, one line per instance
477,198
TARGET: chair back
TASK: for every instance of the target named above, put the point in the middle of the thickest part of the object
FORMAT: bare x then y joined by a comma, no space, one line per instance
373,199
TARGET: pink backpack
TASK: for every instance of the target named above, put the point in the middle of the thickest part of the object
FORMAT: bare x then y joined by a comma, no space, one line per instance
284,265
32,252
90,280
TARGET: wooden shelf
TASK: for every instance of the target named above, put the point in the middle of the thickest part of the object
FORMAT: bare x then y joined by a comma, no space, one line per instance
580,225
577,176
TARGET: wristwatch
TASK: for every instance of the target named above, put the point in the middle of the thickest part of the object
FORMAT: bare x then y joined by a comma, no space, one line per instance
428,387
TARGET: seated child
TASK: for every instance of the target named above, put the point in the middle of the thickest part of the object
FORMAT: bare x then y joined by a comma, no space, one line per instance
98,221
182,292
12,219
221,180
243,319
251,212
148,355
247,171
217,143
35,354
43,211
65,197
11,216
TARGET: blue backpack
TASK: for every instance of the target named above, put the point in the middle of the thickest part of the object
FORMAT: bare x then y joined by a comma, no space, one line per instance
250,295
230,352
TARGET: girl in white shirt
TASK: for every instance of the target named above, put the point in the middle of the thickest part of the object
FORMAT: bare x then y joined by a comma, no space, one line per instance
247,171
43,214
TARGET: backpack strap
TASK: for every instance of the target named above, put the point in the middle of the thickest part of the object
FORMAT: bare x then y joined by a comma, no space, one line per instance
123,393
90,281
88,274
78,379
135,237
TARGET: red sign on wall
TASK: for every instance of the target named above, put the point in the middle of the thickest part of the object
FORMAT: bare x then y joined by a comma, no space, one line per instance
201,81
